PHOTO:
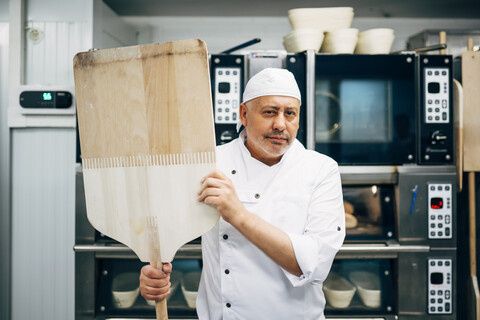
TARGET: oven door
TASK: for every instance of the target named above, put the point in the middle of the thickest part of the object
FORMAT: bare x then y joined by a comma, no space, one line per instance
365,108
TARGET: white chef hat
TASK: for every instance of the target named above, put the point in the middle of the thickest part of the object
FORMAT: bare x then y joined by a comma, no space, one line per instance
271,82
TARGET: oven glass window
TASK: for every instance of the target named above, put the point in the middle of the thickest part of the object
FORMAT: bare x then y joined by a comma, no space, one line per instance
369,212
365,108
119,293
353,110
359,287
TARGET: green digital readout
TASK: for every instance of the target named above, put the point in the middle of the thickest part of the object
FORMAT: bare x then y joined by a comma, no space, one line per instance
47,96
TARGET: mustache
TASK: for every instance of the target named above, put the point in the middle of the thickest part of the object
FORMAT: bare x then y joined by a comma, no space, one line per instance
277,134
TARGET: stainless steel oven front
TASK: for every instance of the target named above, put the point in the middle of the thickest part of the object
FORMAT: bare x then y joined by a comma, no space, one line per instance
398,260
383,109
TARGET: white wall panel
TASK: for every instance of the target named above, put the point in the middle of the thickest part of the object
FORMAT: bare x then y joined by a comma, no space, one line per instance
50,61
43,196
4,177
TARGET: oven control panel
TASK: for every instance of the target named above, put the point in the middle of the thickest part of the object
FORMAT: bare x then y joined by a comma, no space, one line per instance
437,95
227,94
440,286
440,211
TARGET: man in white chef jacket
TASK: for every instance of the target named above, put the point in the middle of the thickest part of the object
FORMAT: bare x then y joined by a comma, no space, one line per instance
282,217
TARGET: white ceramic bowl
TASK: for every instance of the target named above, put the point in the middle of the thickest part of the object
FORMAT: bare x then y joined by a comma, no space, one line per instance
338,291
374,44
376,32
175,278
340,41
189,284
368,285
302,40
321,18
125,289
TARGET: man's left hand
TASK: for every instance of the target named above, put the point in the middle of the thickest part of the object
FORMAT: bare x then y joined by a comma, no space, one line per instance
218,191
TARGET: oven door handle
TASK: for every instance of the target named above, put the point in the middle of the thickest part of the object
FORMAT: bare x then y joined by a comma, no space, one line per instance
382,248
347,248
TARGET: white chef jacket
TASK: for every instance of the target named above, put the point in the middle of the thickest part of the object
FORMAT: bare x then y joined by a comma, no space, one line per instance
301,195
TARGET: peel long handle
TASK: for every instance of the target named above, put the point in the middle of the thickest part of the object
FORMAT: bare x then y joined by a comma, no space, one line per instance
160,306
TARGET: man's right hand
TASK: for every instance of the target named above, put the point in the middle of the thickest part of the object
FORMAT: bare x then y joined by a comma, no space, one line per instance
154,283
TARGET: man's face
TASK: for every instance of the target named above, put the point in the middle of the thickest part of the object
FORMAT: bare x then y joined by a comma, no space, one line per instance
271,123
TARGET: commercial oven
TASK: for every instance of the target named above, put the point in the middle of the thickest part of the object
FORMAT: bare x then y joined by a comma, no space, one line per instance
399,257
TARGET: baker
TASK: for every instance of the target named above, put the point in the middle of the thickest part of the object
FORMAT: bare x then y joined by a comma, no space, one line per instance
282,217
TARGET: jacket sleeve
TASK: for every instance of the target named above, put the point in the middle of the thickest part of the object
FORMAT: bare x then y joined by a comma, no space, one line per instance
324,231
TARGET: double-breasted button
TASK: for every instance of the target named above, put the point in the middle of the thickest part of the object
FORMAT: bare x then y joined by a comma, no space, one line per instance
225,236
228,305
227,271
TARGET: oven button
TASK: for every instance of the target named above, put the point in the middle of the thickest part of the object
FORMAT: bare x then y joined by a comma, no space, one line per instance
447,294
429,73
440,263
444,116
432,300
432,225
437,109
447,307
429,101
437,118
432,233
432,217
440,225
444,103
447,232
440,292
440,217
437,73
440,233
432,309
447,219
432,263
437,101
440,300
432,292
430,110
440,188
440,309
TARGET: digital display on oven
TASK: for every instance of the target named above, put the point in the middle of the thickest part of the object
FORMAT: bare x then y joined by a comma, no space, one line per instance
436,203
436,278
434,87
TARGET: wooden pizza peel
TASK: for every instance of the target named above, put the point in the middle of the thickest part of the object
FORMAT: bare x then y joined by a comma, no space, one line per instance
147,138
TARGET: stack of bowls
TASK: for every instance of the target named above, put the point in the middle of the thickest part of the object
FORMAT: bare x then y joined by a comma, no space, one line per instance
375,41
303,39
324,19
125,289
309,25
338,291
368,285
341,40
